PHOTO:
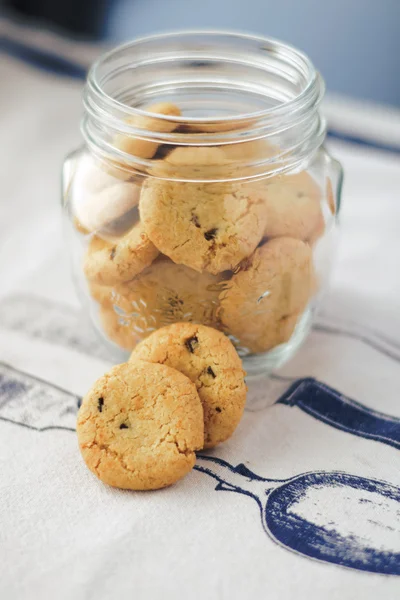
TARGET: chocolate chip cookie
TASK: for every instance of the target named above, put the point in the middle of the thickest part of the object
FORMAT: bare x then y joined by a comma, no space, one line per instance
140,425
209,359
203,225
293,207
109,263
165,293
146,148
261,302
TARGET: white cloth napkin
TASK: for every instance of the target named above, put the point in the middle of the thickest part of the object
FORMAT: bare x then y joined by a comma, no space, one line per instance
304,500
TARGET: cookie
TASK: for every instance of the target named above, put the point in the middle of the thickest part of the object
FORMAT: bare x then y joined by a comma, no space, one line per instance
79,227
166,293
108,262
116,328
252,150
207,357
273,284
330,196
140,425
293,206
101,293
193,162
205,226
216,126
145,148
97,210
88,179
318,231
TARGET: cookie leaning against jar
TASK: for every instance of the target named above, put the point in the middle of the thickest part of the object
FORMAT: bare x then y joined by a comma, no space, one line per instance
261,303
165,293
208,358
140,425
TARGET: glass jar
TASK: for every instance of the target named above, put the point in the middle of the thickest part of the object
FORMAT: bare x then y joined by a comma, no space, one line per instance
203,193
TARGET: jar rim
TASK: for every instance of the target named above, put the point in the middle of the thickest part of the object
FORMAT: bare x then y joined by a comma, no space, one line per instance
264,73
276,46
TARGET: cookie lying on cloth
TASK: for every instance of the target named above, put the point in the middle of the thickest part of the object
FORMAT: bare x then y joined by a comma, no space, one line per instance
183,389
139,426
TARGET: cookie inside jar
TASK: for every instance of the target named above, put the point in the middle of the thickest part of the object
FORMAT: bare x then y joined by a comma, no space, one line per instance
207,198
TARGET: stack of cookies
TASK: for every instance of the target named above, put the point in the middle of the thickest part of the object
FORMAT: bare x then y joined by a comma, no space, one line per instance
233,254
182,390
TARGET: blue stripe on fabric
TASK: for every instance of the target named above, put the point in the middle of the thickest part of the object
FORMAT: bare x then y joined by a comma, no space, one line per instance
42,59
360,141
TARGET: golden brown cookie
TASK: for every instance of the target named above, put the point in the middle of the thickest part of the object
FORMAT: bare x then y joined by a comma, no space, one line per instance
206,226
271,286
252,150
117,328
330,196
216,126
166,293
101,293
318,230
193,162
293,206
209,359
108,262
146,148
139,426
79,227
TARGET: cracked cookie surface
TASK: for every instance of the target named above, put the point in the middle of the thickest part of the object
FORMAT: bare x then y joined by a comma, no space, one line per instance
262,301
139,426
204,225
108,263
207,357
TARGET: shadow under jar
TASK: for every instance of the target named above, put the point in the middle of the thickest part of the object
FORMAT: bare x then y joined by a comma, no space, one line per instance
203,193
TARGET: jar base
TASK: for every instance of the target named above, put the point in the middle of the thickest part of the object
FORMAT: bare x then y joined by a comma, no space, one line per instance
257,366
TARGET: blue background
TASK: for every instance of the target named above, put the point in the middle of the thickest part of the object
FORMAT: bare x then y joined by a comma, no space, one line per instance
354,43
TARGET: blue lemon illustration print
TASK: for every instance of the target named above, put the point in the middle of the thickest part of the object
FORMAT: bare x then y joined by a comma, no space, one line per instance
334,517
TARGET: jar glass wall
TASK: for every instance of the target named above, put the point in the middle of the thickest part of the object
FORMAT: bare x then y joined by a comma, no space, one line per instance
203,193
